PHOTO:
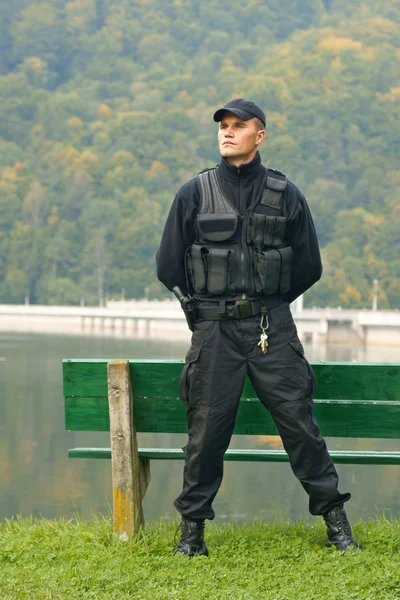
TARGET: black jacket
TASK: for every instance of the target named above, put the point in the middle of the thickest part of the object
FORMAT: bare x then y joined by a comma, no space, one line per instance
242,185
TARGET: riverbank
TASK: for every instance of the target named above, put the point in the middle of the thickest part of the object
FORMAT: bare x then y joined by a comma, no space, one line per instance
50,560
164,319
138,319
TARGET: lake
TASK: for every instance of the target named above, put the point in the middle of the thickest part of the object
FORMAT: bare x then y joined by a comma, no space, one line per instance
37,478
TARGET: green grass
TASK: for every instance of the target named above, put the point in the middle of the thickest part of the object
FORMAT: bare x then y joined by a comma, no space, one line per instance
50,560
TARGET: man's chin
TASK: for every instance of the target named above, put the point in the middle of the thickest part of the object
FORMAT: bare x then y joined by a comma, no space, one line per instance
227,152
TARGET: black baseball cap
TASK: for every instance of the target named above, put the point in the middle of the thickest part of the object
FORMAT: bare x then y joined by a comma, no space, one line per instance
244,109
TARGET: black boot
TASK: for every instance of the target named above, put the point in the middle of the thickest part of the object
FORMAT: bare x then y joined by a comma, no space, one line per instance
339,530
192,538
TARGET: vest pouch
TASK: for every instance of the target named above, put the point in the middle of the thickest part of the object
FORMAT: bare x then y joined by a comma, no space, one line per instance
286,269
269,231
255,230
279,231
197,267
218,270
216,227
264,230
268,268
274,231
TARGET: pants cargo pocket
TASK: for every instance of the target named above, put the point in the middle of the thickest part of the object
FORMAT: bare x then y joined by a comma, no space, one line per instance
192,357
297,346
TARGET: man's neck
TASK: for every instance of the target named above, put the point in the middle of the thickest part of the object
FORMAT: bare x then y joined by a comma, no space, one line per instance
241,160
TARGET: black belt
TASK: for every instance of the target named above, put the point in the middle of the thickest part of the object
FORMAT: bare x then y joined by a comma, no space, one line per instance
240,309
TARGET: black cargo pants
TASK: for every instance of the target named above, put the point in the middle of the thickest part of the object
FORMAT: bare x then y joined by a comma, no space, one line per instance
221,355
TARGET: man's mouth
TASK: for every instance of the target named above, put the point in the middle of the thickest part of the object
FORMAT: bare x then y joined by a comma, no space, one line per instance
228,144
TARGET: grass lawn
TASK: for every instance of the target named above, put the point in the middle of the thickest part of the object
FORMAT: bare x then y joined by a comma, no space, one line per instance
51,560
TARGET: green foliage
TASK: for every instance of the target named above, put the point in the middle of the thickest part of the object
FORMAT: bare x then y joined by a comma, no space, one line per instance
278,561
105,110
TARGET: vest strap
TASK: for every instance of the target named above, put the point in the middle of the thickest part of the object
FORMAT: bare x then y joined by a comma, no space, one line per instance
275,186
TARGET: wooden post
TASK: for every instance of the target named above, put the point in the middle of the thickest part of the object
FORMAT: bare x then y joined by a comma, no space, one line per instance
129,477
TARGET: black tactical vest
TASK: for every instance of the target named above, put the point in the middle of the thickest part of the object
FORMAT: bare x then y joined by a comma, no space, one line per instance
234,255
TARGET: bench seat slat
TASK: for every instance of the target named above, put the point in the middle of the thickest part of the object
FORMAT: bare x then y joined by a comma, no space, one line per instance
339,456
336,418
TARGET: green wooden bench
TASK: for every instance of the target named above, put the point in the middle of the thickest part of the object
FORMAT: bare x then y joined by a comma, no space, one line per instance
351,400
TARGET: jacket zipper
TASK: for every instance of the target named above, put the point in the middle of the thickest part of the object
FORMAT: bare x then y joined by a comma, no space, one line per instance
243,247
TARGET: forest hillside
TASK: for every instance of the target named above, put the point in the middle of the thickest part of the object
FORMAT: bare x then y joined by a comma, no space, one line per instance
106,109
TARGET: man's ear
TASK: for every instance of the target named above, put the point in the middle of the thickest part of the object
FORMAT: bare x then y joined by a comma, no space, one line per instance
261,136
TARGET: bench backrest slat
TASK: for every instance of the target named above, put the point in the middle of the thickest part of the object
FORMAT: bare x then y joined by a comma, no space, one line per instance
167,415
352,400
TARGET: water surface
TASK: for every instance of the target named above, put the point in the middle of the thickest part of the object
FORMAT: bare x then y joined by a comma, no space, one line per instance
36,476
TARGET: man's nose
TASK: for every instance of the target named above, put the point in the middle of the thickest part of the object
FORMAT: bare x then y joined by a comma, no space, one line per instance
228,132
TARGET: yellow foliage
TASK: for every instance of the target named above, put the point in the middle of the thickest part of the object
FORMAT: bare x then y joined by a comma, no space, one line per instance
101,137
279,120
54,217
88,158
79,5
229,67
75,122
372,220
392,95
381,25
368,54
78,162
339,44
393,178
9,174
351,294
157,168
256,85
337,64
104,110
123,156
70,154
185,99
96,126
36,65
285,49
123,114
79,12
375,265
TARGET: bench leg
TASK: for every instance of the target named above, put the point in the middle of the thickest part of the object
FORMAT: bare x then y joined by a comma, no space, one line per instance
144,475
129,477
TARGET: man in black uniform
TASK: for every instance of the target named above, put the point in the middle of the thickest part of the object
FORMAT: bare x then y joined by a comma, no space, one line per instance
240,242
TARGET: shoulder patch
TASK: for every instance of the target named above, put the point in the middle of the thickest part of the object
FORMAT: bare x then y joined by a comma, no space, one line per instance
269,198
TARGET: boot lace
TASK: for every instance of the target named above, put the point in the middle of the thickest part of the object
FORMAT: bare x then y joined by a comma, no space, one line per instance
342,523
184,528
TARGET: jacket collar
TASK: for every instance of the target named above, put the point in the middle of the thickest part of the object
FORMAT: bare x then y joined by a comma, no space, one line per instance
249,170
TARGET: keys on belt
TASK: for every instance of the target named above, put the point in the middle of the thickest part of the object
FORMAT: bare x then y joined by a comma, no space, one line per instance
263,343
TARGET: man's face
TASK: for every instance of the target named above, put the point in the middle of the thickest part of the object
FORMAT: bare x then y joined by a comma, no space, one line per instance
238,140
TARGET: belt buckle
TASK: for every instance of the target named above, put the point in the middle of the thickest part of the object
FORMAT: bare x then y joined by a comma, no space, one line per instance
244,307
